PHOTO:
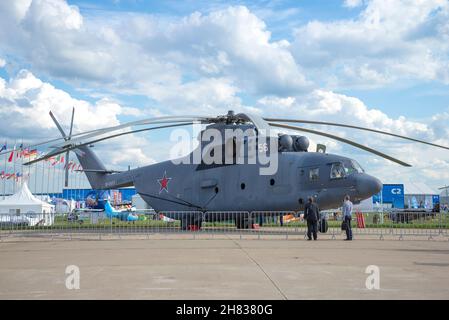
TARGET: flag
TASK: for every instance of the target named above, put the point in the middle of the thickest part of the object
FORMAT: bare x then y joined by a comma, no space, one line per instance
62,159
11,156
23,152
4,147
20,152
9,176
57,160
32,154
2,175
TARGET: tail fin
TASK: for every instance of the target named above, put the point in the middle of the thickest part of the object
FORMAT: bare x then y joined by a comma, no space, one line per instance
92,166
89,161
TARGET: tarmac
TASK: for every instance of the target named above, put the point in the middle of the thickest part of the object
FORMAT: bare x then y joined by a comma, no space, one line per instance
226,268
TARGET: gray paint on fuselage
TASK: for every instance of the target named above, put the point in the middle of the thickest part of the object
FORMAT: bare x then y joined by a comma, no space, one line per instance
188,185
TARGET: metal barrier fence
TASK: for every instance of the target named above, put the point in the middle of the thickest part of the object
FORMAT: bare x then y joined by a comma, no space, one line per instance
195,224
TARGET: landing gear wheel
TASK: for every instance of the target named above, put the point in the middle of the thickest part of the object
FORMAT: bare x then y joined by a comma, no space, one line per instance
244,222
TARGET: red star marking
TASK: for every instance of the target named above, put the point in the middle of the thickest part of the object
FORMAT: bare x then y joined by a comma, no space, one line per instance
164,183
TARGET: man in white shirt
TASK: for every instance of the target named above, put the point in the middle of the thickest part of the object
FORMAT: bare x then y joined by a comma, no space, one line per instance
347,217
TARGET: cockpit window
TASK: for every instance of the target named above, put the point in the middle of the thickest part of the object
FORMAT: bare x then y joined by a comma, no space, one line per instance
352,166
337,171
358,166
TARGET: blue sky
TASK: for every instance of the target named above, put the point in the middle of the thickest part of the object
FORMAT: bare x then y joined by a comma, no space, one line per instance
382,64
396,100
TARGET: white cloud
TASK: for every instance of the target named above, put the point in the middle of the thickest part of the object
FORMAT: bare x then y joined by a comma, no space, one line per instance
352,3
388,41
25,102
321,105
207,63
137,52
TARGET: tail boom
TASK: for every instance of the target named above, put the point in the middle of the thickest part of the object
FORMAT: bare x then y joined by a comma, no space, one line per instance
97,174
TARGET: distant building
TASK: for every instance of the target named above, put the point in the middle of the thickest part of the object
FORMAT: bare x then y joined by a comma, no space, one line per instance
410,195
444,198
418,195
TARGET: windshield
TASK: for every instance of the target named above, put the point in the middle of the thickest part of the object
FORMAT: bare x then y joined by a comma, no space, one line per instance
358,166
352,166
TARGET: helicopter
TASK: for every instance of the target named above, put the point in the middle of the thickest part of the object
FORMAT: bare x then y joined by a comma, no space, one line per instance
241,181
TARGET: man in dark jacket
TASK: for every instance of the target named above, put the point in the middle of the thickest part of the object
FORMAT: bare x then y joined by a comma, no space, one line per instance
312,215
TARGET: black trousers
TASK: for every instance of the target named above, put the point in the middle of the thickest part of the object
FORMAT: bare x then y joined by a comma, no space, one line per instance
348,228
312,228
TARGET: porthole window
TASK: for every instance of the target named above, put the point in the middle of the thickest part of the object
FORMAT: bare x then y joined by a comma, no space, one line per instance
242,186
314,175
272,182
216,189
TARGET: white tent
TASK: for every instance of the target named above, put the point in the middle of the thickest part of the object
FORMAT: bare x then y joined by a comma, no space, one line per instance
418,188
27,208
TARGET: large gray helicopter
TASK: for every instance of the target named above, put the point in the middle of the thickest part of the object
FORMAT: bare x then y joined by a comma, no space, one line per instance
236,183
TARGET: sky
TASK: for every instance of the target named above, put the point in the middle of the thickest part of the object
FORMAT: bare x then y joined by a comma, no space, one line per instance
382,64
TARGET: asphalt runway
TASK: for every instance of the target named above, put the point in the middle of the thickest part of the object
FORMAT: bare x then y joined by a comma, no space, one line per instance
227,268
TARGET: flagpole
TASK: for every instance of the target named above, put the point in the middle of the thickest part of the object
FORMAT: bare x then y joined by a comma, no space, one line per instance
61,172
21,165
69,182
35,177
53,180
77,178
48,181
4,177
42,179
14,165
59,177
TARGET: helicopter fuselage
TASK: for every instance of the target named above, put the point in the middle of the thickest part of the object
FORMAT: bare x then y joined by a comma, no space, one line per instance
239,187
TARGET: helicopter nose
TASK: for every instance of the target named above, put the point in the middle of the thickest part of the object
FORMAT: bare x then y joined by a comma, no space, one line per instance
368,186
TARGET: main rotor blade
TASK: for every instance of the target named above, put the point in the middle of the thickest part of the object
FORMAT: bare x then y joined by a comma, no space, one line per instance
352,143
160,120
58,125
71,123
358,128
96,132
72,147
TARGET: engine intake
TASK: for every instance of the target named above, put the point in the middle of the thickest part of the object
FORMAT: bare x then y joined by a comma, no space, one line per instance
293,143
